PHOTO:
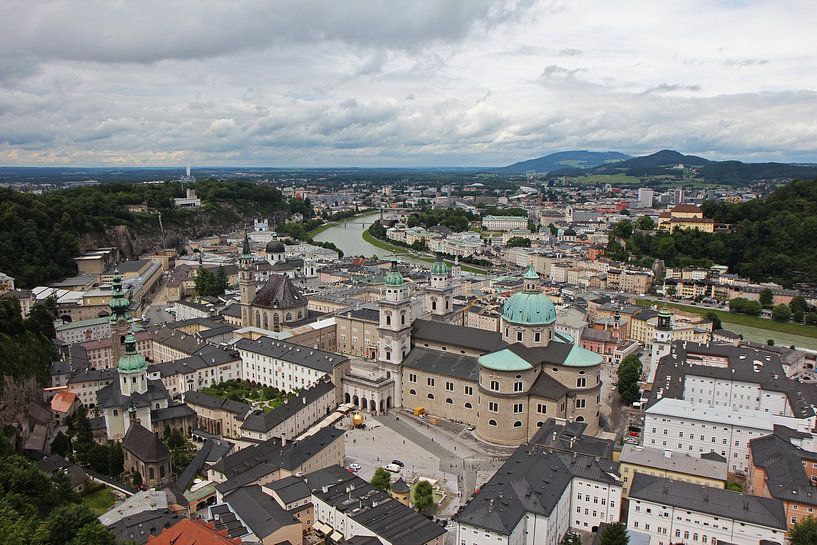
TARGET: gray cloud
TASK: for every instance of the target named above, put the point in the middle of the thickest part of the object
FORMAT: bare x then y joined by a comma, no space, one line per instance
310,83
671,88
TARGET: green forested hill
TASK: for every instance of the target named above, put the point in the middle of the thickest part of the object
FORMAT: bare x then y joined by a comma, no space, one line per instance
40,234
772,238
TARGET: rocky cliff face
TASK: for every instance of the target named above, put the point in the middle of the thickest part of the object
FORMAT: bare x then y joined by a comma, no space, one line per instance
15,396
147,238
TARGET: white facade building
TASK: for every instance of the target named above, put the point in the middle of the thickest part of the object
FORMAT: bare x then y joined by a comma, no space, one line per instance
694,428
677,512
504,223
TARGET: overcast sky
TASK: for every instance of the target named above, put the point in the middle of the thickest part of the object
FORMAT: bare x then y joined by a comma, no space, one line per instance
403,83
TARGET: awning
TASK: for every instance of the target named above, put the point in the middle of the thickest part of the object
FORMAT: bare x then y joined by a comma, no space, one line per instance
337,537
325,529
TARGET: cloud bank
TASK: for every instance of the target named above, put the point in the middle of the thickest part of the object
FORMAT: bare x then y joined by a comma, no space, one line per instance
402,83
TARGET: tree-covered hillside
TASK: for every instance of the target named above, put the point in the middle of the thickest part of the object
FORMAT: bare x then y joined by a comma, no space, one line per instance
40,234
771,238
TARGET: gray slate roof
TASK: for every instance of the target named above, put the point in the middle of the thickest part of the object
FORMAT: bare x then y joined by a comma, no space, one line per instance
449,334
260,421
293,353
279,292
767,512
444,363
770,375
532,480
259,511
213,402
144,444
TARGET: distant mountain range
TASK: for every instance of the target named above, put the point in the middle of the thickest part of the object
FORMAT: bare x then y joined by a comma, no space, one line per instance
565,160
662,163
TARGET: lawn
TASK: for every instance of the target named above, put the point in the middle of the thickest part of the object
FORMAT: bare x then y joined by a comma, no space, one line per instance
99,501
267,396
367,236
742,319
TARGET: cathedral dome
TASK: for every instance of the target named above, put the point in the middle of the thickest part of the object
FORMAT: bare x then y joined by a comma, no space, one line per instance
530,306
439,267
118,303
393,278
275,247
131,361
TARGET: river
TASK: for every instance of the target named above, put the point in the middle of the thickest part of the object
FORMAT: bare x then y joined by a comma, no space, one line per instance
348,236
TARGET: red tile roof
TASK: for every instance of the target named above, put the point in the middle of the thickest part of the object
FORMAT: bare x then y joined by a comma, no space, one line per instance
63,401
193,532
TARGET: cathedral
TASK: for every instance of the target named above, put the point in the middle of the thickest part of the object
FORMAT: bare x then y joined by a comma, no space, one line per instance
506,384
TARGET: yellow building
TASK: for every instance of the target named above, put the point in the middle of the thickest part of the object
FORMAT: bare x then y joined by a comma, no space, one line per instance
685,216
709,470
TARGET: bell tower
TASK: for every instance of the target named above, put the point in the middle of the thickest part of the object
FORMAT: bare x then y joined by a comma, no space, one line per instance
394,328
439,291
119,305
662,342
246,282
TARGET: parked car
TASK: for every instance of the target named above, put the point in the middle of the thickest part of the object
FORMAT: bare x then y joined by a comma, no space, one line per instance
355,467
398,463
394,468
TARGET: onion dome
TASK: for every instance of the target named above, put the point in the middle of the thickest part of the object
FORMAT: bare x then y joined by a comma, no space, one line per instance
131,361
118,304
393,278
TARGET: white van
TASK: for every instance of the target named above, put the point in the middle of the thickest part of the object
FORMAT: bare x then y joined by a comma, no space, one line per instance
394,468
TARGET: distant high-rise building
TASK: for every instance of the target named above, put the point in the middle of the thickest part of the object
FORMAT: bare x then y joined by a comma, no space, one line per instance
187,178
645,196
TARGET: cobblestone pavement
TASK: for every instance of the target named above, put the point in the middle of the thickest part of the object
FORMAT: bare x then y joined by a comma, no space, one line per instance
445,452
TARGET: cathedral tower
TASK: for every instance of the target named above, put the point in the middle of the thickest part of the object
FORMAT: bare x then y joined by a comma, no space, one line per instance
395,327
439,291
662,342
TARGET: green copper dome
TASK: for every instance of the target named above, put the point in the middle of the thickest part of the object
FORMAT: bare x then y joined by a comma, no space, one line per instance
131,361
531,306
439,267
393,278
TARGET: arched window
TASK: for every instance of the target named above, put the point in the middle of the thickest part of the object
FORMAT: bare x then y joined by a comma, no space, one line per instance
115,412
157,405
288,317
300,315
266,321
151,473
447,302
492,422
257,318
403,319
468,405
430,396
539,424
433,304
388,319
413,392
517,424
579,419
449,400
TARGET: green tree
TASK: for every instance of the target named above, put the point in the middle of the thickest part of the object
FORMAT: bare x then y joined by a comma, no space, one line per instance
629,375
61,445
622,230
715,319
781,313
381,479
419,245
804,532
798,316
645,223
423,495
116,459
770,342
811,318
766,297
798,304
63,524
614,533
93,534
518,242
